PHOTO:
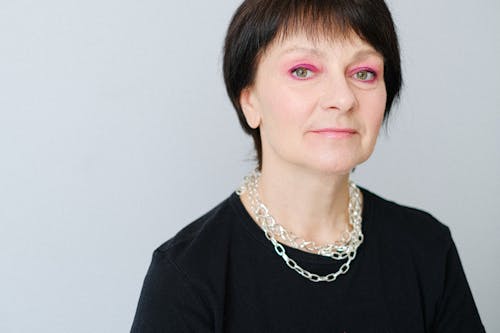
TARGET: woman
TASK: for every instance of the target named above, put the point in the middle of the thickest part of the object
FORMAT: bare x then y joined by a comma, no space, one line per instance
300,248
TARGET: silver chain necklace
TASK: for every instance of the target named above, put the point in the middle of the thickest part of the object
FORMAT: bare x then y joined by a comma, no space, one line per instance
345,248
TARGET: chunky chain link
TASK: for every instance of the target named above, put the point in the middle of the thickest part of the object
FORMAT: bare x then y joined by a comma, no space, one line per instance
345,248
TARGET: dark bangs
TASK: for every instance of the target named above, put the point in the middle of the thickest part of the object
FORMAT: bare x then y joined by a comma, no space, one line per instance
317,19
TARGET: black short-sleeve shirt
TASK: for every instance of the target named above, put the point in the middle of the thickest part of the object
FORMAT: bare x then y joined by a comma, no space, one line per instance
221,274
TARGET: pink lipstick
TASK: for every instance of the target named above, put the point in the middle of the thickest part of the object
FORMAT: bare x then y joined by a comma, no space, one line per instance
336,133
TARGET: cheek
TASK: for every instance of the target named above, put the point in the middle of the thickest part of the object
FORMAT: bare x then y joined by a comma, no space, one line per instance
374,108
284,108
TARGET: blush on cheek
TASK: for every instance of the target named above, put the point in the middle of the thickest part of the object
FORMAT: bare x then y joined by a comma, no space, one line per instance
289,101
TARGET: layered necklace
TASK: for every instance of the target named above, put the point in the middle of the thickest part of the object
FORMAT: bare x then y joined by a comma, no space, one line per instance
345,248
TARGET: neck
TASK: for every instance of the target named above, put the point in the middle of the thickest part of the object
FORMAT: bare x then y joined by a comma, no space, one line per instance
313,206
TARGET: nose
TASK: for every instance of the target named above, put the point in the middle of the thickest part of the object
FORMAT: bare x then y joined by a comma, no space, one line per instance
337,94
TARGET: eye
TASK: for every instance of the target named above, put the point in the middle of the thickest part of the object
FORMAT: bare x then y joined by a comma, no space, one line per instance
365,75
302,72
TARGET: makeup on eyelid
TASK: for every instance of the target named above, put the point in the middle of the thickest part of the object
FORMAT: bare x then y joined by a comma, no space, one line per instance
310,68
371,70
368,68
314,64
313,70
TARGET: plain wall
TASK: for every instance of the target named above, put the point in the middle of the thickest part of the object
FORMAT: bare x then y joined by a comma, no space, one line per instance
115,131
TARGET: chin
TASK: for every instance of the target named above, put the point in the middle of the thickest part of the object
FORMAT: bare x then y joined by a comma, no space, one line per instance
335,167
341,163
334,171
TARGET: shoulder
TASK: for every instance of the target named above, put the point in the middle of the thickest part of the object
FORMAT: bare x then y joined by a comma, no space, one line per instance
408,224
419,250
208,233
410,239
208,223
198,252
185,280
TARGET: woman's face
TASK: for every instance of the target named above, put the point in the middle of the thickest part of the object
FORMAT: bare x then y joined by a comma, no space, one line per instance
319,104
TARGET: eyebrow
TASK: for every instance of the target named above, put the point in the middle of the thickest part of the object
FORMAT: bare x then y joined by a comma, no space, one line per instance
302,49
363,53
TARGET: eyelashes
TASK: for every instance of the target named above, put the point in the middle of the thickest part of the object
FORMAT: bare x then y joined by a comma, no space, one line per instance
303,72
363,74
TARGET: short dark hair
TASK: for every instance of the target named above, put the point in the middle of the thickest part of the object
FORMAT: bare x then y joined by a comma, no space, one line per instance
257,23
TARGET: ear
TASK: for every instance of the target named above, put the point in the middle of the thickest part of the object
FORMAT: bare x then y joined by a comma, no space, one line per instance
249,107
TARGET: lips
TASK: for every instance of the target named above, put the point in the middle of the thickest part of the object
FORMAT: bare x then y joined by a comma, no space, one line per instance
335,132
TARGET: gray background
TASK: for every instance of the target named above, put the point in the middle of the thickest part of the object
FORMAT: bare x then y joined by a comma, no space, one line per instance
115,131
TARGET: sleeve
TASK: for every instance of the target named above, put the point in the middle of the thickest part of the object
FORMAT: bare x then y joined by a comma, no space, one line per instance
456,311
168,303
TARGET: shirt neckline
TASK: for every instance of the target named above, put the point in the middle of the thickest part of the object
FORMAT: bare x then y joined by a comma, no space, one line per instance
257,233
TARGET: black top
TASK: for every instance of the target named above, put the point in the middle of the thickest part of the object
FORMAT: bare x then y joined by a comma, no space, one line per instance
221,274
